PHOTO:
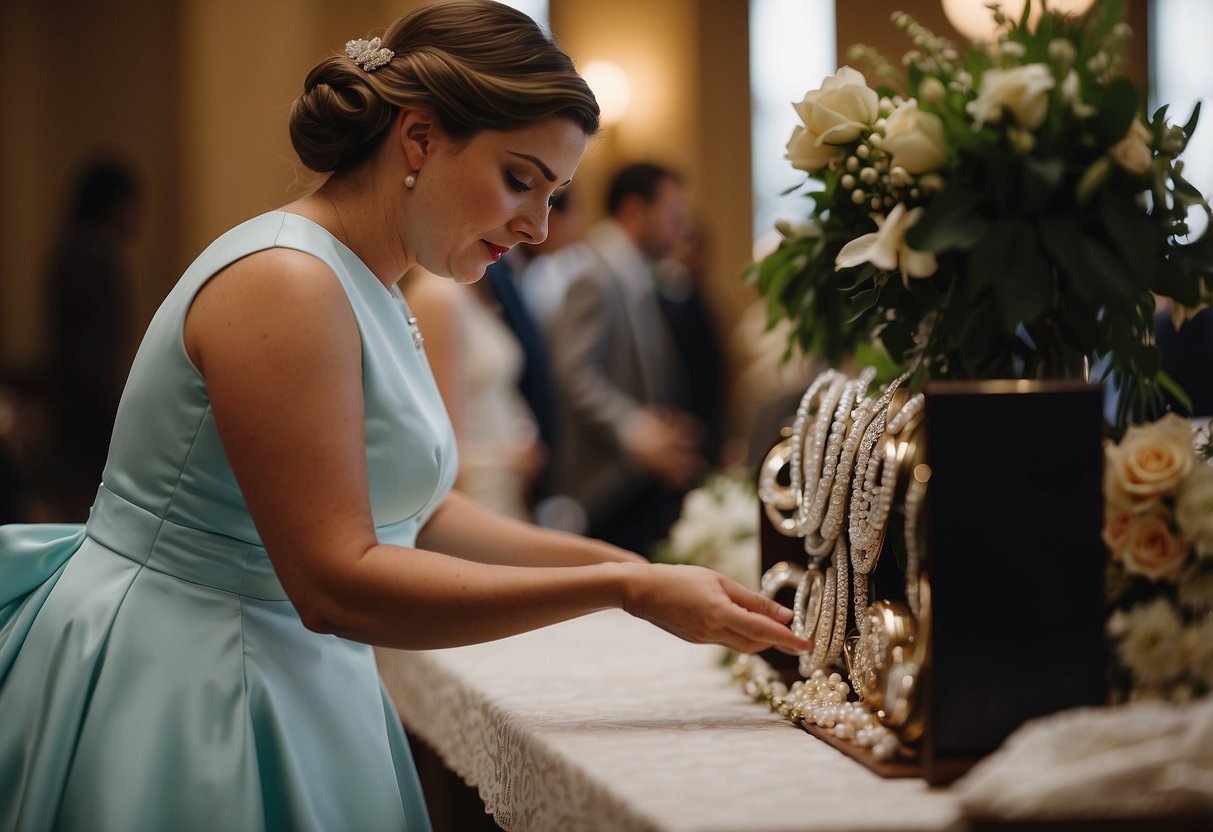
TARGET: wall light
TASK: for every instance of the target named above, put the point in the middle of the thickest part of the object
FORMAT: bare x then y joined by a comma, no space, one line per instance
974,20
611,87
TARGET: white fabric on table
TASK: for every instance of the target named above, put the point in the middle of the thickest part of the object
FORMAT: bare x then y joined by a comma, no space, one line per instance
1145,758
607,723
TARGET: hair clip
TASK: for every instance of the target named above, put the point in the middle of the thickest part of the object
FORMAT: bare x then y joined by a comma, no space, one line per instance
368,54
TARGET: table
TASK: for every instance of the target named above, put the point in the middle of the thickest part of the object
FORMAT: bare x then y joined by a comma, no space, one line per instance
607,723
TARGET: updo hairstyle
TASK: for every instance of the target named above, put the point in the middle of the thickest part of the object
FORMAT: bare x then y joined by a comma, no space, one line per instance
477,64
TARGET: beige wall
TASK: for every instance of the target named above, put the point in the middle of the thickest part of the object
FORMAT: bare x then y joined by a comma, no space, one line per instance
80,76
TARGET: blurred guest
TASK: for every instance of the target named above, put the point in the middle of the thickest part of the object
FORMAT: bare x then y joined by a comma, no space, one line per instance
89,299
680,280
628,451
556,261
507,281
479,365
1186,350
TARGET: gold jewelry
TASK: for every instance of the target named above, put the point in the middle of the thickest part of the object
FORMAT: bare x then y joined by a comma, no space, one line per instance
777,498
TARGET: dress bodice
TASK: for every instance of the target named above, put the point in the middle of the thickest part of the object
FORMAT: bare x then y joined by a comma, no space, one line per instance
167,472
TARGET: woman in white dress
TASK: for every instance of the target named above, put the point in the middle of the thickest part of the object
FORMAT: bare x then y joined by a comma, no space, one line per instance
477,363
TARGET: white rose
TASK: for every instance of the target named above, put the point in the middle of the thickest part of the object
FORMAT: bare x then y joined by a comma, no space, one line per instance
1194,510
838,113
1149,462
1024,90
1071,93
1133,152
886,248
915,139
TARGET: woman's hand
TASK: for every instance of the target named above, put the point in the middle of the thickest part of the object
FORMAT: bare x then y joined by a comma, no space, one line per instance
703,606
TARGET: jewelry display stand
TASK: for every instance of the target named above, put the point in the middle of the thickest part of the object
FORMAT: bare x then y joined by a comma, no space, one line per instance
1009,539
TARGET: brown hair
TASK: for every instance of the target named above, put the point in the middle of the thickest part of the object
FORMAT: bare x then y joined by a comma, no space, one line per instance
478,64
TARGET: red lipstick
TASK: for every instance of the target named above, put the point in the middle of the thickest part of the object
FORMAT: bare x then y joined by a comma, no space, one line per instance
496,251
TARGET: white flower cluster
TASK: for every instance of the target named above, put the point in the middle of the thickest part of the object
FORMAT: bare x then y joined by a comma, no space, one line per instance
718,528
1158,525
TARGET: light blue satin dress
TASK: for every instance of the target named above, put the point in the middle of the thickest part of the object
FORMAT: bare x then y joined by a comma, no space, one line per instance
153,673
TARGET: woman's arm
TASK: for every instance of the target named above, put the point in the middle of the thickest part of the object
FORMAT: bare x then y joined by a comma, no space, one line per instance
462,527
277,342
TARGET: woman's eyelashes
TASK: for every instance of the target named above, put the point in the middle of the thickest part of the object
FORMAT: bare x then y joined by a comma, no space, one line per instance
521,187
516,183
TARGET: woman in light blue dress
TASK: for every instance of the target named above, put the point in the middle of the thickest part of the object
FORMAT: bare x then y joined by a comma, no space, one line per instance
277,492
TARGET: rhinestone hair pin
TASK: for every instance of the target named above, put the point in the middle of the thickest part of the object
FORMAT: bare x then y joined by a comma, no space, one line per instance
368,54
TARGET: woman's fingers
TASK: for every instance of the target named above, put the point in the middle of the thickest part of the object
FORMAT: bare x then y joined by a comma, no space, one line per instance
755,602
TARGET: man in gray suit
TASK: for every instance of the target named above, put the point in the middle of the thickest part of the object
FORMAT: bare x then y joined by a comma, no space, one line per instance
629,449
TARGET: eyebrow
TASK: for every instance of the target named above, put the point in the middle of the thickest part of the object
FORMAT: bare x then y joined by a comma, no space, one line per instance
537,162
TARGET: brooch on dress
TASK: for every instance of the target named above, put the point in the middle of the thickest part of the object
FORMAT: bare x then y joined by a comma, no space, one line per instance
418,338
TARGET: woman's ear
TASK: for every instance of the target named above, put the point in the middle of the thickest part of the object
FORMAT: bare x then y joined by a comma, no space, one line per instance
416,131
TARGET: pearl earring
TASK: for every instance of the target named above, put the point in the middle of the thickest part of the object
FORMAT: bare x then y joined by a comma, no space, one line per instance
410,180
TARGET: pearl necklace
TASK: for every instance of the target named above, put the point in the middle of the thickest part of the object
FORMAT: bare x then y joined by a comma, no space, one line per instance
915,494
871,504
823,519
821,700
807,468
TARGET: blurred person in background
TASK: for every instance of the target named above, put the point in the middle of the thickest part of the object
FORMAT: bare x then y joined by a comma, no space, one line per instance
89,305
680,281
629,450
479,366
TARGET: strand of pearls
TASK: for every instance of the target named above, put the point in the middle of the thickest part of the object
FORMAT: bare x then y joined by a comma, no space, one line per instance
820,700
814,461
865,535
915,494
806,612
821,526
870,503
888,473
831,524
841,592
805,468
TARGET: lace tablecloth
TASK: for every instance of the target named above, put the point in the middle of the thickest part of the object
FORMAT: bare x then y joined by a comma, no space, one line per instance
607,723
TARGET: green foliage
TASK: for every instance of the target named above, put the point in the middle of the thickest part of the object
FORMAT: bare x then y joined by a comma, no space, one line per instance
1051,235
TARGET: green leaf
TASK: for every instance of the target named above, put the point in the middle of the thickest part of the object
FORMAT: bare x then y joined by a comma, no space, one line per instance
1117,105
1190,127
1132,235
1174,390
1092,271
951,222
1023,292
1041,179
997,258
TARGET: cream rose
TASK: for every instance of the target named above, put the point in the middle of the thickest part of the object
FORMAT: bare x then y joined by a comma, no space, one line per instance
1117,521
1194,510
915,139
1133,152
886,248
1150,461
838,113
1024,90
1151,549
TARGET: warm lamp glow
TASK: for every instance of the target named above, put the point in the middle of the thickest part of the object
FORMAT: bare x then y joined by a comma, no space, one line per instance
974,20
611,87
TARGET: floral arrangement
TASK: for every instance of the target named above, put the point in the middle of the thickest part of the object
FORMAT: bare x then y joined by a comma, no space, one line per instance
1005,210
1158,526
718,528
